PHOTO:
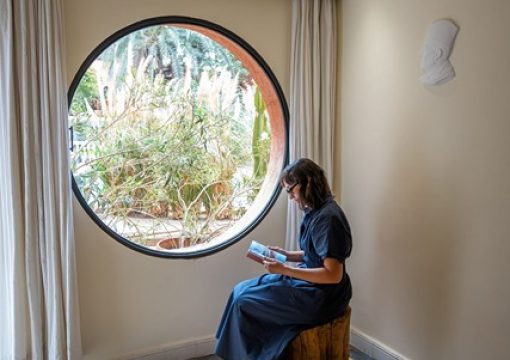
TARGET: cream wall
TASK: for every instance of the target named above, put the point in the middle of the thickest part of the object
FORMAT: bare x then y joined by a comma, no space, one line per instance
426,178
129,302
423,175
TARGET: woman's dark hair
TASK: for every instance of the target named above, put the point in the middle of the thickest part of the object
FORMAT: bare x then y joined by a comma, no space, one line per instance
314,185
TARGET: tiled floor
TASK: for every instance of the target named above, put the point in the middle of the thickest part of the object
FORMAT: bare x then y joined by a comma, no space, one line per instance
355,355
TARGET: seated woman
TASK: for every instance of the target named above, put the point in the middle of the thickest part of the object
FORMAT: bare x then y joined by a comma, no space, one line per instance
264,314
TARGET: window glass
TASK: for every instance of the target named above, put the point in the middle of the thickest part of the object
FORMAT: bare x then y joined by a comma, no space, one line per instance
175,151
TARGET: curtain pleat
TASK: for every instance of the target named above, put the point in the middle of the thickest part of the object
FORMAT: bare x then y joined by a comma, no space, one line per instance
312,92
38,266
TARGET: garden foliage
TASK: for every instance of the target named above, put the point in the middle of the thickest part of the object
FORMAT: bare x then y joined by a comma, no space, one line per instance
171,136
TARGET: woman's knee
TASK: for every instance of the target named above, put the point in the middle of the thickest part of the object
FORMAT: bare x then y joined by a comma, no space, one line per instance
241,288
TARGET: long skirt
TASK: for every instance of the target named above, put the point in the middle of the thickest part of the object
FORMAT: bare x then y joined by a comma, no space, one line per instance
264,314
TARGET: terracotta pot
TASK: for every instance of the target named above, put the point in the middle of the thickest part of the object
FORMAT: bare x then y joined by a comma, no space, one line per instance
173,243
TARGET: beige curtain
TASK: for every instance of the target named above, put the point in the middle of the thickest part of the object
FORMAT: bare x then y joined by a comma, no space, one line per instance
38,290
312,91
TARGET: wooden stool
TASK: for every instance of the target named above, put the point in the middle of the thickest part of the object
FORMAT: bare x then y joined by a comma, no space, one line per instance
326,342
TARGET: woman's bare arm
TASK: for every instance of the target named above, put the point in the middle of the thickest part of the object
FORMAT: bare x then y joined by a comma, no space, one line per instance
331,273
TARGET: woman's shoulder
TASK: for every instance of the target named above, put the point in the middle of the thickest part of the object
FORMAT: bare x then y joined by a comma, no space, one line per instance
330,208
330,213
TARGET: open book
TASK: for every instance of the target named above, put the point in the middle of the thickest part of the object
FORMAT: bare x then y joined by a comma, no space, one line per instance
258,252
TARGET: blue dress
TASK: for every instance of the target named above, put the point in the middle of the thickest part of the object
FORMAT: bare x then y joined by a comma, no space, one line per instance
264,314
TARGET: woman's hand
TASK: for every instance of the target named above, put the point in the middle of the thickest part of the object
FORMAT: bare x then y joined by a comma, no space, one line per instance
273,266
279,250
292,256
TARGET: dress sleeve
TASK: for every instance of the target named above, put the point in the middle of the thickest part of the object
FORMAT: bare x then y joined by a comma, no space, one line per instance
332,238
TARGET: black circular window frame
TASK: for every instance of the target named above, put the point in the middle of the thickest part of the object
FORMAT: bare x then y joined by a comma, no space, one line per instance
168,20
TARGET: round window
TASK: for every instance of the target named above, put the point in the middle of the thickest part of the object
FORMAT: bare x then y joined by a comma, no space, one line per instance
178,136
